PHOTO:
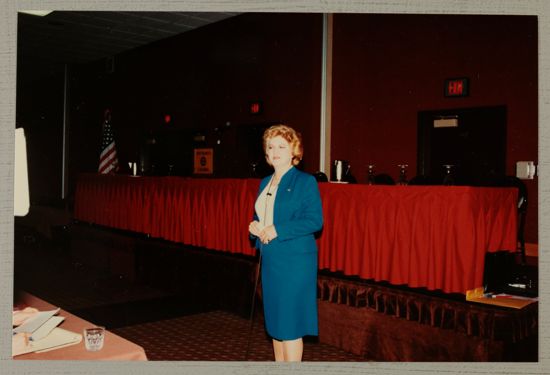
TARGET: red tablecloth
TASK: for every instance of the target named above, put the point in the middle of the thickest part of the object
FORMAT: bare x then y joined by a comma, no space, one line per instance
422,236
211,213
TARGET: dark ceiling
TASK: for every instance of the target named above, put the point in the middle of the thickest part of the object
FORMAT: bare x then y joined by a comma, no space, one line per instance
85,36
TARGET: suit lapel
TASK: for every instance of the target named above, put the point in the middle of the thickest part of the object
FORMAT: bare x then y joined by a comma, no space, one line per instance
285,184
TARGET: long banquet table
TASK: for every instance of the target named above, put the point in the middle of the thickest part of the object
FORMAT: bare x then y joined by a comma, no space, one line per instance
421,236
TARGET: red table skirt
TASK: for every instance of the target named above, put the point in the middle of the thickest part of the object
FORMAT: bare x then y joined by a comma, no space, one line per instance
422,236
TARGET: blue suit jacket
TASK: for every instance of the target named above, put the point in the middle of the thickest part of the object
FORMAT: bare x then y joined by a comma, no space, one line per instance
298,212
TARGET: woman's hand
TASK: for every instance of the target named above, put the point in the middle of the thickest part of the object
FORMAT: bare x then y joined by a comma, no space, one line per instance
255,228
268,234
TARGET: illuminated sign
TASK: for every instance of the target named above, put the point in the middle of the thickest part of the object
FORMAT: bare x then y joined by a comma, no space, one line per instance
255,108
204,161
456,87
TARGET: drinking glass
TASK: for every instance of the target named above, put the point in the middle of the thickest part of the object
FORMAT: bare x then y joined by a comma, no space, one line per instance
402,174
449,178
94,338
370,174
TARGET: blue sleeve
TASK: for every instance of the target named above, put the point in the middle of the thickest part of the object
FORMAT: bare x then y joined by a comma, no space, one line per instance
309,217
254,218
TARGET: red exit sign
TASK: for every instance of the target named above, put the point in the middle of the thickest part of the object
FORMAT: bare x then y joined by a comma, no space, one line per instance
255,108
456,87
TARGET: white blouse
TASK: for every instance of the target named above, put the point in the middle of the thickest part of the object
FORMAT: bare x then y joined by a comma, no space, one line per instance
264,205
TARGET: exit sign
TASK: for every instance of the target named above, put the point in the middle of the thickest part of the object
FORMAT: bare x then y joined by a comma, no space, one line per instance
255,108
456,87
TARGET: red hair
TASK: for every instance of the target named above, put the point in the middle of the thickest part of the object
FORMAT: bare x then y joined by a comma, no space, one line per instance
293,138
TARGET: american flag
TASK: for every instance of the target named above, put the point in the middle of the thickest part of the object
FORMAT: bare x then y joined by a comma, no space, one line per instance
108,161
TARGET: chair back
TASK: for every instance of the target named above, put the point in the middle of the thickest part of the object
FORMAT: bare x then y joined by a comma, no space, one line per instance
513,181
320,176
422,180
383,179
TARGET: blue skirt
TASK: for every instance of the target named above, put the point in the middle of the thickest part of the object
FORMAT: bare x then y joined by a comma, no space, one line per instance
289,290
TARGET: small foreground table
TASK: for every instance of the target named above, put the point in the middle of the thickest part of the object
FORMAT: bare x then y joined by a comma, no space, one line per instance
115,348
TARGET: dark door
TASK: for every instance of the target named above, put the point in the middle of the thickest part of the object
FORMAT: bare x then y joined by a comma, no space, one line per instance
239,151
472,140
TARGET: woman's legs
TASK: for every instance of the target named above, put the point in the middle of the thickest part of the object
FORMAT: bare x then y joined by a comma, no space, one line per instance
289,350
278,351
293,350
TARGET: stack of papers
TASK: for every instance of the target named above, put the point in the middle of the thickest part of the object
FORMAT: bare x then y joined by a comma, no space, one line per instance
42,334
501,299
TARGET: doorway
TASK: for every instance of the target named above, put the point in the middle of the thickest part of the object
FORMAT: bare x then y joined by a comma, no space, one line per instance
470,142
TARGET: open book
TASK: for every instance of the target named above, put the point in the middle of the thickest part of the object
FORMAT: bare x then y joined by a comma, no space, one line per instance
40,333
56,339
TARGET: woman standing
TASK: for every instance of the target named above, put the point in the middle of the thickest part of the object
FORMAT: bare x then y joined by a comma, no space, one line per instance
288,213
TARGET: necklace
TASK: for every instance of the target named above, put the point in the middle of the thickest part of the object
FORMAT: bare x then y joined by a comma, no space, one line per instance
272,184
268,195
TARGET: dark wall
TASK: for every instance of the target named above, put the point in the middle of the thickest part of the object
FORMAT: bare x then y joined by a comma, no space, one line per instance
387,68
205,80
40,112
90,94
